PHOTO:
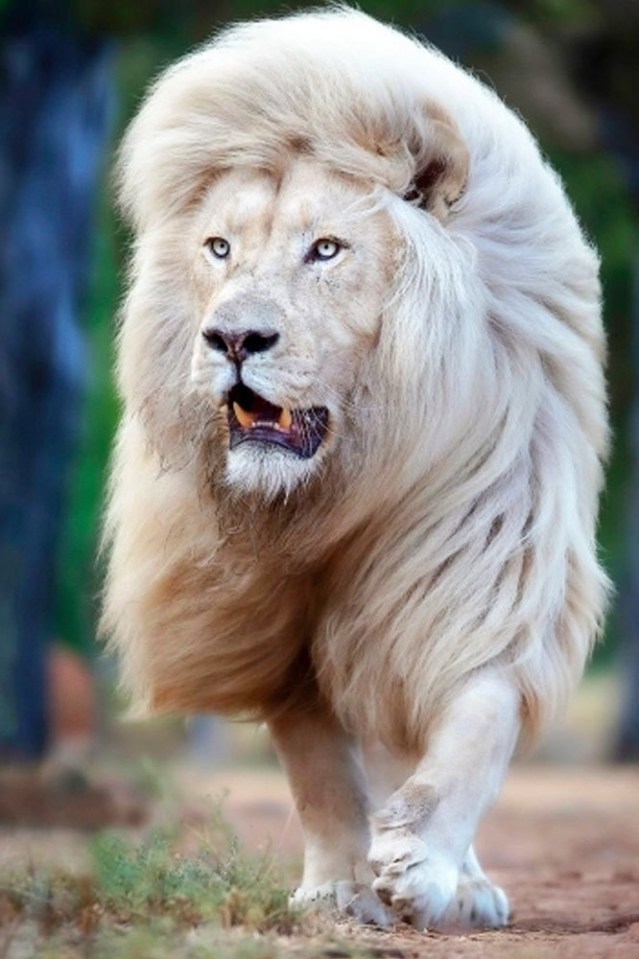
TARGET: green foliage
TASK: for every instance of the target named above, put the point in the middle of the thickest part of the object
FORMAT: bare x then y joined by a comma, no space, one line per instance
150,899
600,196
220,884
132,882
151,878
408,12
79,582
79,576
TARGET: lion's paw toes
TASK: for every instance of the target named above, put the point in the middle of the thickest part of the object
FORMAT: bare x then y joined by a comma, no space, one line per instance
415,883
477,902
366,908
344,897
322,898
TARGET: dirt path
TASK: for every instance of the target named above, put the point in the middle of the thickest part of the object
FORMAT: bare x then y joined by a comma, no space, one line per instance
564,843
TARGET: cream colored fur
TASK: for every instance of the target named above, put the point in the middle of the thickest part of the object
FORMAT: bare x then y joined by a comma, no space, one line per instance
441,541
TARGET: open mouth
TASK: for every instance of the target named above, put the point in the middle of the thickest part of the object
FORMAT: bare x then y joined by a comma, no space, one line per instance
252,419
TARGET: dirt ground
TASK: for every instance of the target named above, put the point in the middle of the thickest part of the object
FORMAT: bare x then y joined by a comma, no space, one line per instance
563,841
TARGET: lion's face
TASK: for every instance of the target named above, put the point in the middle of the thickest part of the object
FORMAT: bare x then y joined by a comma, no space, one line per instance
291,277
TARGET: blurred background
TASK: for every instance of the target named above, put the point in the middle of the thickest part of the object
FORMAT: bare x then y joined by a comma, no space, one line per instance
72,73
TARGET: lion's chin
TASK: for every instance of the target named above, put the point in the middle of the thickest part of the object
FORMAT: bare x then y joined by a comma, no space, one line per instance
271,449
268,470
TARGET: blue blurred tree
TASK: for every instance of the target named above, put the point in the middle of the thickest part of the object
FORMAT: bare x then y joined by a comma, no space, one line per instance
54,118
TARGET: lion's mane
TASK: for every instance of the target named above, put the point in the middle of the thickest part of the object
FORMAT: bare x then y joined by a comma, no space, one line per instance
456,527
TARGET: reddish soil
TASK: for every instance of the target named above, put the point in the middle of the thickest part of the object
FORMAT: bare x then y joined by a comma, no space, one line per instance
563,842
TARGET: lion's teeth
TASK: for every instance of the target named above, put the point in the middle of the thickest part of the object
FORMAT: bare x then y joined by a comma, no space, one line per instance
285,420
244,419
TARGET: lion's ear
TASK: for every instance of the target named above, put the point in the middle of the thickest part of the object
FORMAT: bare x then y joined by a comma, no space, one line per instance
441,163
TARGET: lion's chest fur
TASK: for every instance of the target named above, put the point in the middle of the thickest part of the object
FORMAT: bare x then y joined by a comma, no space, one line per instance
258,628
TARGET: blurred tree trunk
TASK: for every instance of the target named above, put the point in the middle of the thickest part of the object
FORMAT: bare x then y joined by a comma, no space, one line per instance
627,742
54,117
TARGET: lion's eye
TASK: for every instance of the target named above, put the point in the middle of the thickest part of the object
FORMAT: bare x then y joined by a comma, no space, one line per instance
218,247
324,249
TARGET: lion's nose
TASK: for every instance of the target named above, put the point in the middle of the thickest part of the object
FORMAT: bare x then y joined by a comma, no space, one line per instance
239,346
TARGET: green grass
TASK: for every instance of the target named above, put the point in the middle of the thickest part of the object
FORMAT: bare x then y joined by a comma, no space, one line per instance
149,892
150,900
217,885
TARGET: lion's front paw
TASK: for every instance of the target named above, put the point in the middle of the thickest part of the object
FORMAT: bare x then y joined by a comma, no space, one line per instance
344,897
477,902
418,884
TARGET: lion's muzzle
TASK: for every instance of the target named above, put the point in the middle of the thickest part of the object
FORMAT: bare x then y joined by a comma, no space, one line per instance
252,419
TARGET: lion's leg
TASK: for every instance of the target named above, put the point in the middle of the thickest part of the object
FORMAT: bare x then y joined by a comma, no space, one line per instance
477,900
422,837
329,789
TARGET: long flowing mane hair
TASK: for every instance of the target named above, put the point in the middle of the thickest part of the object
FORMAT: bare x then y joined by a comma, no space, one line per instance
456,526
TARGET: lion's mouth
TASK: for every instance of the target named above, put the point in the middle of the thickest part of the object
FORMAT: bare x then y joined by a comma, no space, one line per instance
252,419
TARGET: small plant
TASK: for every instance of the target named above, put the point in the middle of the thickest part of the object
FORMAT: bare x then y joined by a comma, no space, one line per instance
149,899
221,884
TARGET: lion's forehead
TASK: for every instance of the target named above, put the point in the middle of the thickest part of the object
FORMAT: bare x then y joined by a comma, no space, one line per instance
255,205
245,200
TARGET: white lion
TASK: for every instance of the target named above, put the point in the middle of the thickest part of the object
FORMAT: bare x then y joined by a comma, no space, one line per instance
356,480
